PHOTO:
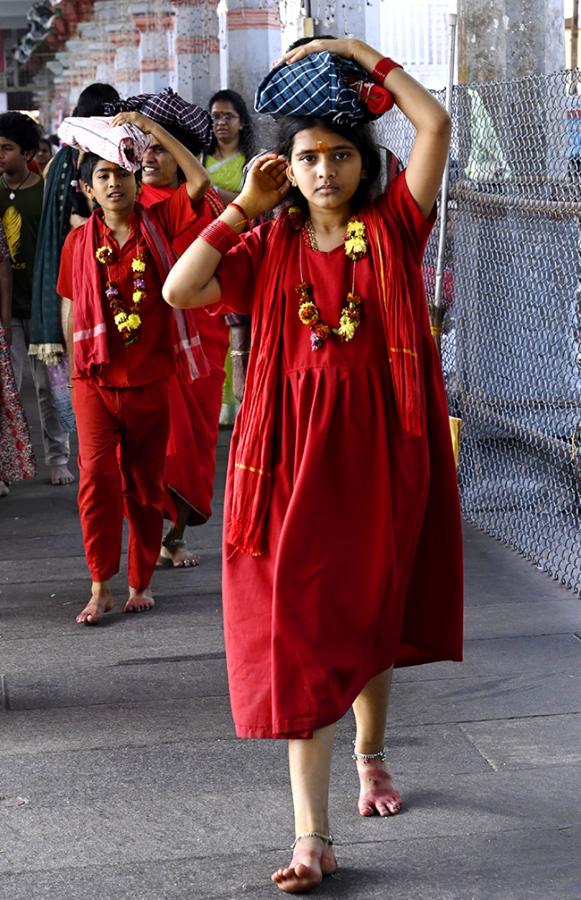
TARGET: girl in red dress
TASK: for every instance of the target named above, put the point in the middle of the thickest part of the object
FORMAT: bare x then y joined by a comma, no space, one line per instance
342,543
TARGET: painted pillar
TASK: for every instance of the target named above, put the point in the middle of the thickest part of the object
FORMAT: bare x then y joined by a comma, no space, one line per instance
126,72
195,49
253,43
156,31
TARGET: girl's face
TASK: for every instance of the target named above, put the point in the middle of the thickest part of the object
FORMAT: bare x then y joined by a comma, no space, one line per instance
326,167
159,168
226,122
43,155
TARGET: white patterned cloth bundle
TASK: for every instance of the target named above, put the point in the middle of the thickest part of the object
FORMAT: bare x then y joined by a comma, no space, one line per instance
123,144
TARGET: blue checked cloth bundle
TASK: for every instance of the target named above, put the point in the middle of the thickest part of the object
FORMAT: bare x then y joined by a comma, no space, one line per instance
321,84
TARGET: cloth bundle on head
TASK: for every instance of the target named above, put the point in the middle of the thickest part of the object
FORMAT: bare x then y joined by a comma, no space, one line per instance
188,122
123,144
322,84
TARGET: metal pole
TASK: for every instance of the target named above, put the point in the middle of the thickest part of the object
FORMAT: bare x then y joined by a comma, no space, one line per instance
575,35
437,324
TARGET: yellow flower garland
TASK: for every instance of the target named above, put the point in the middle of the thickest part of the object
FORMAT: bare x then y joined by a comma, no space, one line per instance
350,316
128,322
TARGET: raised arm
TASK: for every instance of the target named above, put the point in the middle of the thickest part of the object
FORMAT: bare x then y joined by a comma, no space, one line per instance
431,121
192,281
197,181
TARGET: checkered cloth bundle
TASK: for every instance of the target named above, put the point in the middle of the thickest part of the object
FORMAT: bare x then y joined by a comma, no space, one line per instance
188,122
322,84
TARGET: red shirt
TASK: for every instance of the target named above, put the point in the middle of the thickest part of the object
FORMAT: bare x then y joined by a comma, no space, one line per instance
151,356
151,196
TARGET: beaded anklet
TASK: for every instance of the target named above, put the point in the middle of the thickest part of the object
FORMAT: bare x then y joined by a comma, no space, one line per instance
367,757
327,838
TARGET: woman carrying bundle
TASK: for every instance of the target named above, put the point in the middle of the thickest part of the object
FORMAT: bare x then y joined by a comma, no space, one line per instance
342,544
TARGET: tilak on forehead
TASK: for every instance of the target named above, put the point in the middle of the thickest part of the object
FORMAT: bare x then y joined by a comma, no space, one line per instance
322,147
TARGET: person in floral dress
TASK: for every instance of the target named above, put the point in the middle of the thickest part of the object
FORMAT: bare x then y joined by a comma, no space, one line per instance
16,454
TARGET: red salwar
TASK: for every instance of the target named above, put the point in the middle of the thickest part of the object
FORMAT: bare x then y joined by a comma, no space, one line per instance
122,413
363,566
122,440
190,463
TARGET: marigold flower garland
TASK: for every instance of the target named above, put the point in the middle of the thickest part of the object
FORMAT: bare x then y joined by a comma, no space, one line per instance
309,313
128,321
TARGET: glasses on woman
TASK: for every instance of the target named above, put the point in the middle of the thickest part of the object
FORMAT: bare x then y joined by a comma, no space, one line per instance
224,117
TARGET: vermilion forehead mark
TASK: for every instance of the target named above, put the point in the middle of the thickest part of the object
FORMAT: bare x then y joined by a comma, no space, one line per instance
322,147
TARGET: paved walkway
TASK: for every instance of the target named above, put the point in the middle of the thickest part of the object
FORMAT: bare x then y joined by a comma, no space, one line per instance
120,739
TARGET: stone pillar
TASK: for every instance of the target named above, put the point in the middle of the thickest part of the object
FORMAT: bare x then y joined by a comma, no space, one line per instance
100,50
156,30
504,39
292,21
126,74
253,43
350,19
195,49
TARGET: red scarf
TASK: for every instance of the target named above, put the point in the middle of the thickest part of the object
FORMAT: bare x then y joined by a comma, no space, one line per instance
253,460
90,329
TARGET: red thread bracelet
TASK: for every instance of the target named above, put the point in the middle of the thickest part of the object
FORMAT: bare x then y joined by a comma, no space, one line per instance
242,213
383,68
220,236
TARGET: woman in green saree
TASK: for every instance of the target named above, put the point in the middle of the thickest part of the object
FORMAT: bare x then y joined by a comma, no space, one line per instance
232,147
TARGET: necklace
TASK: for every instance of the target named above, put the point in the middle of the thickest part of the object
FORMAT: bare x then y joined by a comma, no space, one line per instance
12,191
127,320
355,245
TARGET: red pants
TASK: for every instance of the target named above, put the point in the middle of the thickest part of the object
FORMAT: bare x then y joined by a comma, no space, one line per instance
122,442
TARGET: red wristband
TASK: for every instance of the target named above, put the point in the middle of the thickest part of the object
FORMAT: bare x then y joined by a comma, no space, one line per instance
242,213
383,68
220,236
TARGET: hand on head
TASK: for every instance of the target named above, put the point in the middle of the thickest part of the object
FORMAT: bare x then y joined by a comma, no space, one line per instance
144,123
266,184
340,47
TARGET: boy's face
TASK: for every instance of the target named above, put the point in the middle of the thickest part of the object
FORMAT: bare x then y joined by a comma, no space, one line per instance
113,188
13,161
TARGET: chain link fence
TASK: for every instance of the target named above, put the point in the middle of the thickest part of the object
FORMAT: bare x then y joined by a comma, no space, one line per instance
511,335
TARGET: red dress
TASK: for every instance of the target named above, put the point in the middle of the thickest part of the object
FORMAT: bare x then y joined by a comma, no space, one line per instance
363,567
194,408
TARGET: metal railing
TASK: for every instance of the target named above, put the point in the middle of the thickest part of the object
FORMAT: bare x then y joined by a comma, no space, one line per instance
511,331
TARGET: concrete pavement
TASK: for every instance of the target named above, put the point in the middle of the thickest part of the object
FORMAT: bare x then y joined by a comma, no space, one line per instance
120,739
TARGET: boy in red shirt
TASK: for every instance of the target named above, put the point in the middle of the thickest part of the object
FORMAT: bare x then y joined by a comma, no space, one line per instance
124,343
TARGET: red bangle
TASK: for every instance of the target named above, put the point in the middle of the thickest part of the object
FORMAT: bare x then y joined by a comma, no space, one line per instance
220,236
383,68
242,213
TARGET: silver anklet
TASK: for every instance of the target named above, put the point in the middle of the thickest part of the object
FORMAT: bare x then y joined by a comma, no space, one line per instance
328,838
172,543
367,757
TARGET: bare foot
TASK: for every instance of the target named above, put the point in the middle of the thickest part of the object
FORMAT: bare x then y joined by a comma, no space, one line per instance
177,556
377,793
312,860
101,602
61,475
139,601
